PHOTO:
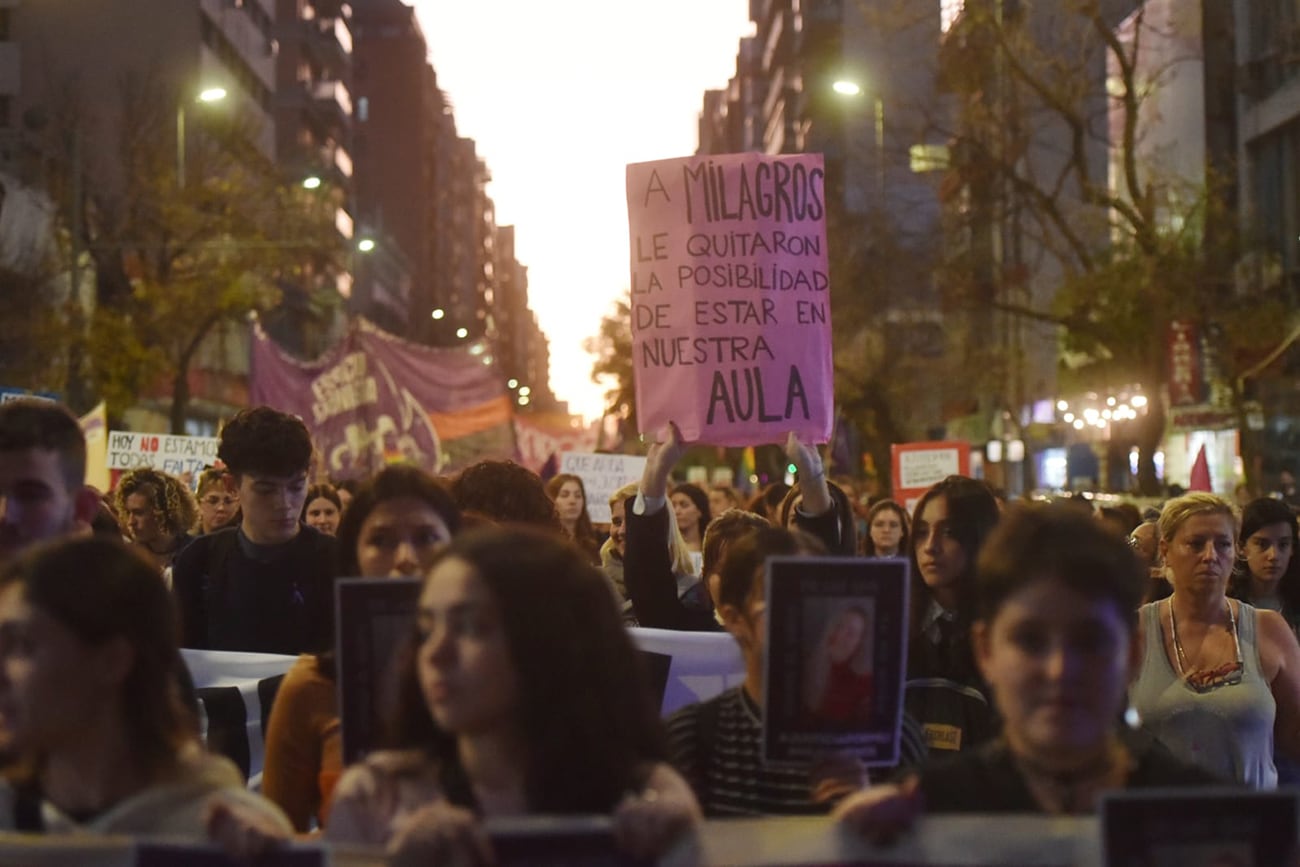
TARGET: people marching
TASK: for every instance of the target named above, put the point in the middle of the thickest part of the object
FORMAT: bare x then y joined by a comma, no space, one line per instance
1051,654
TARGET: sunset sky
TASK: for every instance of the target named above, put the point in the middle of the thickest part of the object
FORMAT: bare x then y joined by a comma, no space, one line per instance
560,97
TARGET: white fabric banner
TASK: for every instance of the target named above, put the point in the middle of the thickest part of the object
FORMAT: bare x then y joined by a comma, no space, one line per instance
232,690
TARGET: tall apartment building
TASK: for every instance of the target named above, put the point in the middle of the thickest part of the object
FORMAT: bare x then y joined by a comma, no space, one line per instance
853,80
522,350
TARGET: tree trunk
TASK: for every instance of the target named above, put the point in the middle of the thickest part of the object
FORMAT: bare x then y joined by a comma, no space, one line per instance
1151,431
180,398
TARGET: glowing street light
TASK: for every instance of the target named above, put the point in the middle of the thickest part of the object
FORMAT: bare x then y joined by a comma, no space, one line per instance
438,313
844,87
512,383
366,245
525,391
462,333
523,401
311,182
208,95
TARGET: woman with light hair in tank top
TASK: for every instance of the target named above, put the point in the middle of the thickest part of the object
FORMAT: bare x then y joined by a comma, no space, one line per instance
1218,677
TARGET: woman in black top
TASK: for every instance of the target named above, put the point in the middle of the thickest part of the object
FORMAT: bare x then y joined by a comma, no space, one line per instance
1055,636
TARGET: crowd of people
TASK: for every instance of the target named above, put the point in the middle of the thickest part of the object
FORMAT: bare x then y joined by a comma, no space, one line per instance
1054,653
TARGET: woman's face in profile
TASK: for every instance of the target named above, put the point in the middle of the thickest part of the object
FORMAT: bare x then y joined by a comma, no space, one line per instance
846,636
1058,663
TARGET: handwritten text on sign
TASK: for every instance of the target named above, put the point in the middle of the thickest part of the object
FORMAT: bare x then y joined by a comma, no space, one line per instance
166,452
730,297
601,476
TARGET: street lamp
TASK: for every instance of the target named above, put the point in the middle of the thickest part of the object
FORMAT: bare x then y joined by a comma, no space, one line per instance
206,96
438,313
849,88
366,245
311,182
462,332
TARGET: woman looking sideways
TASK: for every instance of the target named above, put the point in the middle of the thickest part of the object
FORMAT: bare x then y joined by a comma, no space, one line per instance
945,691
1219,677
90,694
522,695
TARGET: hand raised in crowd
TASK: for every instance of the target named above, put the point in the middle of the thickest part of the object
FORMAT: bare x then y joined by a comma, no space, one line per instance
837,776
881,813
241,833
812,476
648,822
659,463
440,834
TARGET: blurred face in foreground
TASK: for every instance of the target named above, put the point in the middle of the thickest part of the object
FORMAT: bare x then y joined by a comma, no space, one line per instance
1058,663
466,675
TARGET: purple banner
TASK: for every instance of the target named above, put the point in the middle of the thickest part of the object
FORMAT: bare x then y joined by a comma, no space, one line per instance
375,399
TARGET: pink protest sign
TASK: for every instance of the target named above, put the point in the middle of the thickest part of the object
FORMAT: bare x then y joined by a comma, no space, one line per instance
730,297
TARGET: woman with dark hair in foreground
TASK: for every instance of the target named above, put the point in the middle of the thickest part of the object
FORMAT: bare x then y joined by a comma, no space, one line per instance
523,695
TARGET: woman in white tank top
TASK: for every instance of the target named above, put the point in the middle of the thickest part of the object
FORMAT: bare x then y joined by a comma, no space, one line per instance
1219,679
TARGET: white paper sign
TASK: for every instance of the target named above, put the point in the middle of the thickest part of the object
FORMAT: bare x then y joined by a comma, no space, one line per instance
602,475
168,453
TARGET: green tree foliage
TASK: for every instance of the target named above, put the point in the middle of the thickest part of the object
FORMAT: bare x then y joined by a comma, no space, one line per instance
174,257
612,347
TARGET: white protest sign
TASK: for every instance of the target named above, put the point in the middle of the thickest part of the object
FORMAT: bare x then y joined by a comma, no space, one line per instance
168,453
602,475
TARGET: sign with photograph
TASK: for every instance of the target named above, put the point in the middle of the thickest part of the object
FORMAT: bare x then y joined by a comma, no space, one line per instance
731,335
601,476
1199,828
833,670
374,619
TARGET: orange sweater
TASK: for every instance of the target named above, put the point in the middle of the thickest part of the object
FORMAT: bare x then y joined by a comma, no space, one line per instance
304,746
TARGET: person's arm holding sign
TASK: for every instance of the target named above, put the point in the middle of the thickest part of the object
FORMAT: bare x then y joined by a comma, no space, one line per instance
647,567
815,513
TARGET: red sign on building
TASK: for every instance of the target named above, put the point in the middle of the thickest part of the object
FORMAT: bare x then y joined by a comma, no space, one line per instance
1186,375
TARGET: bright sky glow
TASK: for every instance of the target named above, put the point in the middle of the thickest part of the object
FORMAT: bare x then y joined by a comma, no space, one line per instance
560,97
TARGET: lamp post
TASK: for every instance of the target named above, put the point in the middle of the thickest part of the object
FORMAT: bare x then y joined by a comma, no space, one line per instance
847,87
207,95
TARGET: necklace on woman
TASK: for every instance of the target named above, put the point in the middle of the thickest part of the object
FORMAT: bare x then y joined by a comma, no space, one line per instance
1204,680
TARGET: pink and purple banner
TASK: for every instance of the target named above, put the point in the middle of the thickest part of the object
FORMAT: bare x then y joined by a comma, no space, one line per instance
374,399
731,298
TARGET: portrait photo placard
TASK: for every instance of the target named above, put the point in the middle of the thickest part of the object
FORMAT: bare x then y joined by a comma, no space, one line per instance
374,619
833,664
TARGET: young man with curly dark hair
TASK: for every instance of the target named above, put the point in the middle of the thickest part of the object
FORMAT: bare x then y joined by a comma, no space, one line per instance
265,586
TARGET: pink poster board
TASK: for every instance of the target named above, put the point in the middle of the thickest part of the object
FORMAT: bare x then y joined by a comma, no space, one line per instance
731,298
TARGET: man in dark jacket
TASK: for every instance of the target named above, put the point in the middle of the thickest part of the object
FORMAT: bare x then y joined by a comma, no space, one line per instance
266,585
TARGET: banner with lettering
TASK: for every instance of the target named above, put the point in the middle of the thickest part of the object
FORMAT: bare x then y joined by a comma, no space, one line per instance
601,476
731,298
375,399
168,453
